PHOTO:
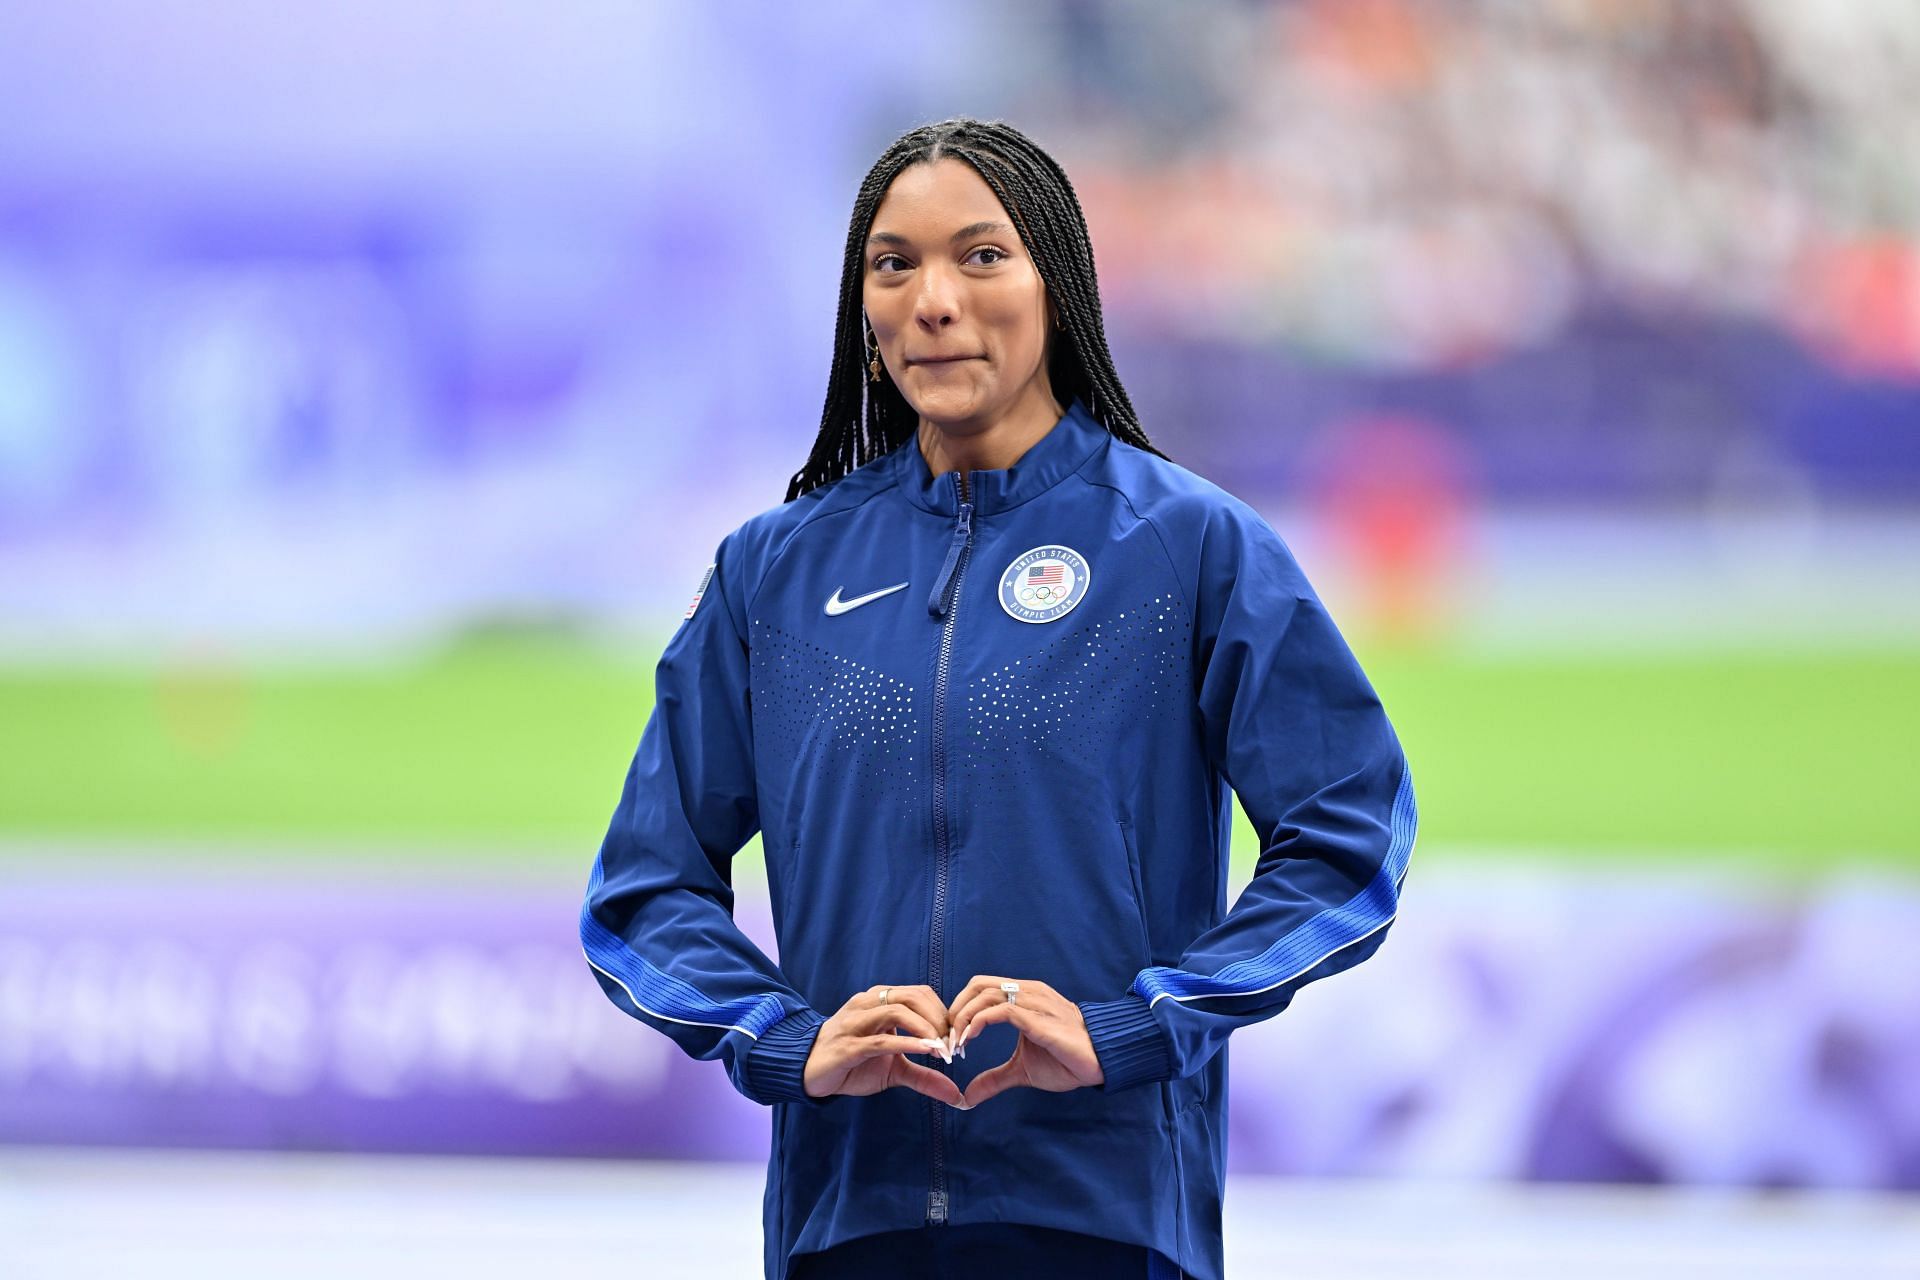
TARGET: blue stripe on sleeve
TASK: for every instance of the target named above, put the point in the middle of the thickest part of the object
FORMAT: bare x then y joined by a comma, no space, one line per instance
661,994
1313,941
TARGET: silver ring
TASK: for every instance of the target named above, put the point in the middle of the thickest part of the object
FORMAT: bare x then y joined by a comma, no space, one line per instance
1012,990
884,994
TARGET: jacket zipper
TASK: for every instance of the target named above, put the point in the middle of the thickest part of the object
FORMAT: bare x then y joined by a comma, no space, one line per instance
944,603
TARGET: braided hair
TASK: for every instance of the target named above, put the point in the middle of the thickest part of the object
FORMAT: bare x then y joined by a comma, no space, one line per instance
863,420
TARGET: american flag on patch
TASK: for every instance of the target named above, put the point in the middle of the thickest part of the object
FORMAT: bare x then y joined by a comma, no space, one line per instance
700,591
1044,575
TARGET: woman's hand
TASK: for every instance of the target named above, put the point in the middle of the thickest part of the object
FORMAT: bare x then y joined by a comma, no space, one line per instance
1053,1052
858,1053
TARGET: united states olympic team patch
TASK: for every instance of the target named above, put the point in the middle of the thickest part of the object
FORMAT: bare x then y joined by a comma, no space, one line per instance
1044,583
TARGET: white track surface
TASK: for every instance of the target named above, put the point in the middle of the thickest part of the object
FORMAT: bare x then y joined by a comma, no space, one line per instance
210,1215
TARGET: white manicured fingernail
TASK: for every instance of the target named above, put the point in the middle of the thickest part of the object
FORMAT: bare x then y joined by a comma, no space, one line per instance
934,1045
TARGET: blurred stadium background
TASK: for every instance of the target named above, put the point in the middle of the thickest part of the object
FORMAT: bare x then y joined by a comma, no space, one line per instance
376,380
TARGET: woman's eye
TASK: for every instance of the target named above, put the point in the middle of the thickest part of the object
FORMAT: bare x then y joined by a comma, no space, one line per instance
879,263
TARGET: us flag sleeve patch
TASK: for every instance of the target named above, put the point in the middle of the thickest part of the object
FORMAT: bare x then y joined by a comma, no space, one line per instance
700,591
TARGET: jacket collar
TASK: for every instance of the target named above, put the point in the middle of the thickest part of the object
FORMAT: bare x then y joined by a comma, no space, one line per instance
1049,460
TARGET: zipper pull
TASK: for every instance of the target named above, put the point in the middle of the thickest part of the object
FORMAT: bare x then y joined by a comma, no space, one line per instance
938,602
936,1206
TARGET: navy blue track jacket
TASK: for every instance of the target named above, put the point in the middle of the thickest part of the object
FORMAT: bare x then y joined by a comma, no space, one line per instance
996,727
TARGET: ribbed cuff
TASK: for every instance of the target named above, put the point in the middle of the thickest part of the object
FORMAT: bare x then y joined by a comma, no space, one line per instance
776,1065
1132,1046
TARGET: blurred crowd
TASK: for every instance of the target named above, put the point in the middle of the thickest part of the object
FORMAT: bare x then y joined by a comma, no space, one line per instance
1433,182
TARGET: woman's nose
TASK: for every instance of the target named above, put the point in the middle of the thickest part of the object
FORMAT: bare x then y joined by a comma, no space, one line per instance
936,301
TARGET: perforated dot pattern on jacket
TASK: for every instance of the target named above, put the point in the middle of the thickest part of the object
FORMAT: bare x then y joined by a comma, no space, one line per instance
1074,698
821,709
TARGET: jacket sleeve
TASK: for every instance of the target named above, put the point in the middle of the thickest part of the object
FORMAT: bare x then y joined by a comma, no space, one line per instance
657,925
1295,727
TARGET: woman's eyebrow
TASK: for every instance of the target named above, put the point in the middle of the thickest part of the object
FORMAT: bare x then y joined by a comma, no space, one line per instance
971,229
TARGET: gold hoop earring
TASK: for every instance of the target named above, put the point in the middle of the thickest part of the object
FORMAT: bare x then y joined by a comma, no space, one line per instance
873,349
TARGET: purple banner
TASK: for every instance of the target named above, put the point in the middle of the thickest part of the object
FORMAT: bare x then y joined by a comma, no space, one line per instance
1515,1024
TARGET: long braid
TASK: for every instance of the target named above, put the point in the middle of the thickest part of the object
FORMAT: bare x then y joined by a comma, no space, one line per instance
862,420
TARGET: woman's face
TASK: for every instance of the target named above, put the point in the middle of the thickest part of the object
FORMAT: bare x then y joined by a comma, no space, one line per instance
959,310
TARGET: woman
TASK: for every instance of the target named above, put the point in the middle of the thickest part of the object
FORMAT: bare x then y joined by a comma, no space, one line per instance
996,827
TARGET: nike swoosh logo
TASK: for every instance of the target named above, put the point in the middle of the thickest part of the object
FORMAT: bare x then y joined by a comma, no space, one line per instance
836,605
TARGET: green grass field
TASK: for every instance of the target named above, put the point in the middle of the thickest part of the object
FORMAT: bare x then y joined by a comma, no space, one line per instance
515,748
